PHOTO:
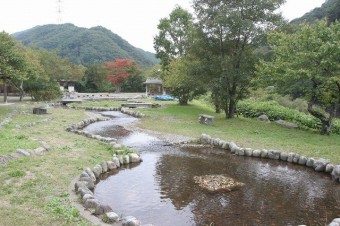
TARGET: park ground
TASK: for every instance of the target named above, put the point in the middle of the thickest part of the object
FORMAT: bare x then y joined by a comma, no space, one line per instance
35,190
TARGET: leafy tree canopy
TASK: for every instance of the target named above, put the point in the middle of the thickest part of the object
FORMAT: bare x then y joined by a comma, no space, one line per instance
307,64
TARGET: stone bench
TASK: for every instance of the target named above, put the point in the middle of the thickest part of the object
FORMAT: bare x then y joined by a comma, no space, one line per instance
206,119
39,110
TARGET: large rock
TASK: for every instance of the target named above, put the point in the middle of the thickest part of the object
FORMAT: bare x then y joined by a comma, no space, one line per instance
264,118
97,170
248,152
110,217
233,147
134,158
284,156
130,221
296,158
302,160
272,154
240,152
102,208
104,166
310,162
111,165
264,153
91,174
116,161
329,168
320,165
256,153
23,152
335,222
91,203
287,124
290,157
336,173
88,182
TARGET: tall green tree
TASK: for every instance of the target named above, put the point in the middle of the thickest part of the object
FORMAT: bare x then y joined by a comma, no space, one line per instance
307,64
231,30
12,62
173,46
182,76
174,37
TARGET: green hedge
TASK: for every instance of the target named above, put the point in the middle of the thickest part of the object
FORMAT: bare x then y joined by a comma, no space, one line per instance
274,111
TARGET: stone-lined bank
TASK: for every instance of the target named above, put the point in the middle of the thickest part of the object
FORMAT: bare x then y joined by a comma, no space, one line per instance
124,110
319,165
86,181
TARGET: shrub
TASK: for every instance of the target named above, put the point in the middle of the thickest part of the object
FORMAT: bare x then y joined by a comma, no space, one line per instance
275,111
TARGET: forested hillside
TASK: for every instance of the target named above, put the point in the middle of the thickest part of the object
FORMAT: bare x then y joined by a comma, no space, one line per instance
84,46
330,9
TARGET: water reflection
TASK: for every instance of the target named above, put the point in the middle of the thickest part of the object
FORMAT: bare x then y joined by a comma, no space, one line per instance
161,190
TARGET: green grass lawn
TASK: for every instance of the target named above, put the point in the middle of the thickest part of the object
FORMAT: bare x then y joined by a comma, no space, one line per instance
246,132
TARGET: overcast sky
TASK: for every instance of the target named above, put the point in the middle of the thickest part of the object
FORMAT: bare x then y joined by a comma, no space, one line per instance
134,20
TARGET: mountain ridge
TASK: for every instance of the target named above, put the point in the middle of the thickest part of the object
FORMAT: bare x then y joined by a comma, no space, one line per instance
85,46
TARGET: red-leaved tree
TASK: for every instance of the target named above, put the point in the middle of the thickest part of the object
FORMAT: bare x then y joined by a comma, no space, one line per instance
119,70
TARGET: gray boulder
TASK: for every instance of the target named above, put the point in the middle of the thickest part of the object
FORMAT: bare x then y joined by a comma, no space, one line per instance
296,158
23,152
88,182
264,153
88,196
102,208
91,174
233,147
240,152
111,165
264,118
39,150
84,190
335,222
284,156
91,203
116,161
256,153
110,217
310,162
272,154
336,173
287,124
329,168
290,157
302,160
248,152
104,166
320,165
134,158
97,170
225,146
130,221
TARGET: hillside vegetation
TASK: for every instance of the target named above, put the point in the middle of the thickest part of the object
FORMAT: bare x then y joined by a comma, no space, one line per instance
84,46
330,10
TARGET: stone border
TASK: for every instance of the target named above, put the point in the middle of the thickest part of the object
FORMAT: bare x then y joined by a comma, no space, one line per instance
319,165
20,153
124,110
84,184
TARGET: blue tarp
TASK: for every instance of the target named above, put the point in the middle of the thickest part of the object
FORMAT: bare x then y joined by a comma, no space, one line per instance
164,97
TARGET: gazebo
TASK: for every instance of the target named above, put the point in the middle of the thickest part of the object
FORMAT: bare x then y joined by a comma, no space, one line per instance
154,86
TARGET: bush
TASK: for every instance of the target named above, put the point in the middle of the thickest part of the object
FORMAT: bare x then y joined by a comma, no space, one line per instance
275,111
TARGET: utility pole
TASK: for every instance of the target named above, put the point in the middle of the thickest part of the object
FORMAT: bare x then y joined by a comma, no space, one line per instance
59,11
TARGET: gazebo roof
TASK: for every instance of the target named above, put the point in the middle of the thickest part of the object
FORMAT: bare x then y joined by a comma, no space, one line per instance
153,81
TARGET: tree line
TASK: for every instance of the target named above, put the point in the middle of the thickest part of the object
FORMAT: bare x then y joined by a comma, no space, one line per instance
229,46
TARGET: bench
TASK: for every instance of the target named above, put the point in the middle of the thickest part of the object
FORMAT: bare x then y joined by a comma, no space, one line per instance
206,119
39,110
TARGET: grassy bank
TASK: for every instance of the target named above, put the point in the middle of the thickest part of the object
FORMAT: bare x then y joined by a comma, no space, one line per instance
34,190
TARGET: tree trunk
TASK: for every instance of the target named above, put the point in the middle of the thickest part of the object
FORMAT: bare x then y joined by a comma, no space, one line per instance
183,99
326,122
118,88
21,90
232,108
5,90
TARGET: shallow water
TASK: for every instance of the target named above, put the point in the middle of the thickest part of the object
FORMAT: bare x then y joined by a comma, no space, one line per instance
161,189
